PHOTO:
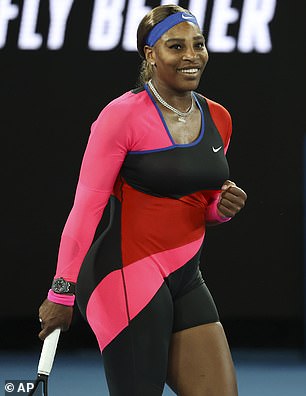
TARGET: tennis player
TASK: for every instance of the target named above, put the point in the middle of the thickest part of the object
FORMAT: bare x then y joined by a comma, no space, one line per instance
155,165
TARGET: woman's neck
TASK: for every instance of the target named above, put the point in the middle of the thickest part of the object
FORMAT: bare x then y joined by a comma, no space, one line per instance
181,100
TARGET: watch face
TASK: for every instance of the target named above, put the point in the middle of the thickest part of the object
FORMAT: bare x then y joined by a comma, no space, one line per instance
60,286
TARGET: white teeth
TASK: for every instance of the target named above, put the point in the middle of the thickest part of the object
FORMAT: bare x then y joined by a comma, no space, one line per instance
189,70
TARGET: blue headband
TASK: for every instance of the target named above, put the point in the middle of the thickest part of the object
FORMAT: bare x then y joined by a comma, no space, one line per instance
166,24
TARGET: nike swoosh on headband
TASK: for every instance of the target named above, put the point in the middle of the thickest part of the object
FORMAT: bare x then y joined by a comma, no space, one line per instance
162,27
184,16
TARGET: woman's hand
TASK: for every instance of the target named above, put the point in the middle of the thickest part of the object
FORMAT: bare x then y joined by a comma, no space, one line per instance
53,316
232,199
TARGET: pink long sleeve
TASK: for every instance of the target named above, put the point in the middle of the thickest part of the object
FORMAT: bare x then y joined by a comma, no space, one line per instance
104,154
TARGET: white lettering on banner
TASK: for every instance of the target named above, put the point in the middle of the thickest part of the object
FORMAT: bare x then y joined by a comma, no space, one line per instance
252,19
198,8
254,33
28,38
106,25
8,11
222,16
59,12
164,2
135,12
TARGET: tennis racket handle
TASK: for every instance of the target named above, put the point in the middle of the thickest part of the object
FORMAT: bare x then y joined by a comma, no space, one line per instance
48,353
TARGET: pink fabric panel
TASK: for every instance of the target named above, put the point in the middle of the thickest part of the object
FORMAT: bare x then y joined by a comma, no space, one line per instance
144,277
79,230
106,310
146,136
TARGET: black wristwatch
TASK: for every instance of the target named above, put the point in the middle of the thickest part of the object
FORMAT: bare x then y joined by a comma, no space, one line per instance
61,286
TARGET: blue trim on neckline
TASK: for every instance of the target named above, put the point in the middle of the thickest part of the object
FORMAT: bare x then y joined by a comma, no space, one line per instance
174,145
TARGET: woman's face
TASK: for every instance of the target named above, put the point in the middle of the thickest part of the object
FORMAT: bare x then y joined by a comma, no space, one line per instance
180,57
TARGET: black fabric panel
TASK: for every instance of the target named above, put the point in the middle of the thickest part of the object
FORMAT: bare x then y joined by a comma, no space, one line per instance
136,360
189,169
194,308
193,303
137,90
103,257
184,279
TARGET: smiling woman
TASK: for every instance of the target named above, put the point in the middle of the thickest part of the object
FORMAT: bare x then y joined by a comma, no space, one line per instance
179,57
163,177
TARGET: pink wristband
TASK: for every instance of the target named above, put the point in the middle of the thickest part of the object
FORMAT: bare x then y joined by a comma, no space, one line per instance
64,299
213,215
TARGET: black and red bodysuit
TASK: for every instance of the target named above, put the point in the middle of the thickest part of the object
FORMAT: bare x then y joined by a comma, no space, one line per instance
140,280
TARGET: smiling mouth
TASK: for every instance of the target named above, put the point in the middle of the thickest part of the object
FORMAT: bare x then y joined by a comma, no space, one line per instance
190,70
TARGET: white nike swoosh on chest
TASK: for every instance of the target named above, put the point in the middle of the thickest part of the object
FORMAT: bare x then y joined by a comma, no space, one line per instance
215,150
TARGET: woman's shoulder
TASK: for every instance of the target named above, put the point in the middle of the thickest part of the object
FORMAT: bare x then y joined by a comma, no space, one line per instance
221,118
216,108
127,102
119,117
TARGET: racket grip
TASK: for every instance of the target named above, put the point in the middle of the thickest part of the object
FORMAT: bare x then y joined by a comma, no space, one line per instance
48,353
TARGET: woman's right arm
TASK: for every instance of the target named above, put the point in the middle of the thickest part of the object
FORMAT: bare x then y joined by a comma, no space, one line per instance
105,152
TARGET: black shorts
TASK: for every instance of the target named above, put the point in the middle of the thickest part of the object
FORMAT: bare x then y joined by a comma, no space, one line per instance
193,304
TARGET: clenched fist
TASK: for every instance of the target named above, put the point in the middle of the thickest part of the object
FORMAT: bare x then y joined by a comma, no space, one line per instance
232,199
